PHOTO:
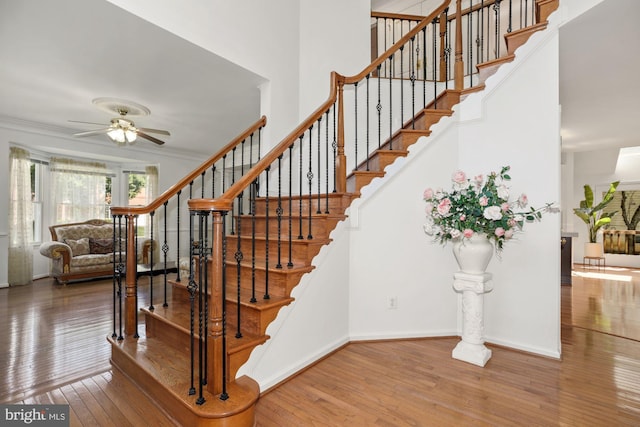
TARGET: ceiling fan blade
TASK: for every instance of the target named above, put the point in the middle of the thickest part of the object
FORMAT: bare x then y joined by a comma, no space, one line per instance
149,137
93,132
89,123
160,131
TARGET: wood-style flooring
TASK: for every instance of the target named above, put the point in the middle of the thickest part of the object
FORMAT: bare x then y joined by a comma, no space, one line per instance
56,352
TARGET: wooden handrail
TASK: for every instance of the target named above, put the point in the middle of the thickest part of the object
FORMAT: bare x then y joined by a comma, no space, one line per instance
401,16
173,190
225,201
397,45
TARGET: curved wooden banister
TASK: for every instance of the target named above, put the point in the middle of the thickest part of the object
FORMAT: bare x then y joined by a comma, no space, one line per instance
174,189
397,45
337,81
399,16
225,200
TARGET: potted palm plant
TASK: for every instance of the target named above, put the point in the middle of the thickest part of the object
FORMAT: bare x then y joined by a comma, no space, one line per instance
595,217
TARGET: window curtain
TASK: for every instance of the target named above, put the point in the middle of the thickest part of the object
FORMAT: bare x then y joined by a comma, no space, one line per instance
78,190
152,193
20,270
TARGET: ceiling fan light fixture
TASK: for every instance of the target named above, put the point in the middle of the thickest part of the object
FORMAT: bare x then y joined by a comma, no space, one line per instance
117,135
130,136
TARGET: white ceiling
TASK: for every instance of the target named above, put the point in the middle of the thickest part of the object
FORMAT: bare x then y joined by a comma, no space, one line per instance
599,80
55,57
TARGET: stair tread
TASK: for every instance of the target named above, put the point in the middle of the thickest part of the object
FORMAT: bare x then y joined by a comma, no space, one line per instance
171,368
179,318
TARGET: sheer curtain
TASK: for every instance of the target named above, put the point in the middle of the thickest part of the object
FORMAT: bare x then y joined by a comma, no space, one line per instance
78,190
20,218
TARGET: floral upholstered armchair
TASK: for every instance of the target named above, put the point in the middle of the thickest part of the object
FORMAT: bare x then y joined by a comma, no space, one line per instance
85,250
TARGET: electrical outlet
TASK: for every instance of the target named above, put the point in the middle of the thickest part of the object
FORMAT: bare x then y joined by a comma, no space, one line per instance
392,303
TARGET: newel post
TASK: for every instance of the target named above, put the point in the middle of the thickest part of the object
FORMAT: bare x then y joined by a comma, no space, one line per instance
131,294
458,70
217,369
341,160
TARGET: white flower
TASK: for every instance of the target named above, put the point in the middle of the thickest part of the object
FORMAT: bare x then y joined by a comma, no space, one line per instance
455,233
503,191
493,212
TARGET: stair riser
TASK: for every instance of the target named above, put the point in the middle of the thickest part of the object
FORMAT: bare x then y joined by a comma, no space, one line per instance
429,117
172,404
302,250
280,282
181,339
334,204
320,226
253,321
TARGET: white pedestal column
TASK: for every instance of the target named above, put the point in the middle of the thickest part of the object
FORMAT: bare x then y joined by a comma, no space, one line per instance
471,348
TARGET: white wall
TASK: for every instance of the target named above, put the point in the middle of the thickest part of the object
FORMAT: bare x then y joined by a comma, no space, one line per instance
334,36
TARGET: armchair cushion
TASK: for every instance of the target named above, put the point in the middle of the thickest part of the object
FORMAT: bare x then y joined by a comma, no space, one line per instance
100,246
78,247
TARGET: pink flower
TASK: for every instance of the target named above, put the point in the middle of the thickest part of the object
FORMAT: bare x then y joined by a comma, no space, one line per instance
523,201
463,217
428,193
429,208
478,179
512,222
459,177
483,201
499,232
508,234
505,207
467,233
444,206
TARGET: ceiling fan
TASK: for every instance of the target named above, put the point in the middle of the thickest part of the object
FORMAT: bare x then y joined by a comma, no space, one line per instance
122,130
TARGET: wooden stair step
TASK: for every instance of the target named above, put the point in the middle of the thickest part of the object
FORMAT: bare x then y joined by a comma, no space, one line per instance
163,373
172,325
337,203
322,223
256,316
302,249
430,116
359,179
517,38
488,68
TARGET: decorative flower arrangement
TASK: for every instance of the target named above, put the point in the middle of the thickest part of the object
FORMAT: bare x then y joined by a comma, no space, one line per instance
478,206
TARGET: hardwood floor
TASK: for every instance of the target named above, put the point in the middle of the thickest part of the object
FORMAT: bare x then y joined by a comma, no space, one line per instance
56,352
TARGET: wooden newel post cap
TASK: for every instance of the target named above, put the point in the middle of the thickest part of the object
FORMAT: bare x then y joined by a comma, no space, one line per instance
223,205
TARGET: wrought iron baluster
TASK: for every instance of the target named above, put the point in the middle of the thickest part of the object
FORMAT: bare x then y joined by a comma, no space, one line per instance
165,251
496,8
391,102
150,260
368,113
355,128
238,257
201,274
435,56
412,78
266,233
300,237
135,255
192,289
224,395
401,81
178,234
319,168
289,263
326,155
310,181
279,211
252,209
379,107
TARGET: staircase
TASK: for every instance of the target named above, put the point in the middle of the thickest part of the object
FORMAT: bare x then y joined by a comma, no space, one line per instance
250,243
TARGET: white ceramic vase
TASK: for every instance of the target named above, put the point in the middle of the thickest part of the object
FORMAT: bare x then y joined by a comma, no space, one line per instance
473,254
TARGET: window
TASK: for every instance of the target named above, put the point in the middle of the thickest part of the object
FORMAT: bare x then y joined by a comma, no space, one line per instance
79,190
38,168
